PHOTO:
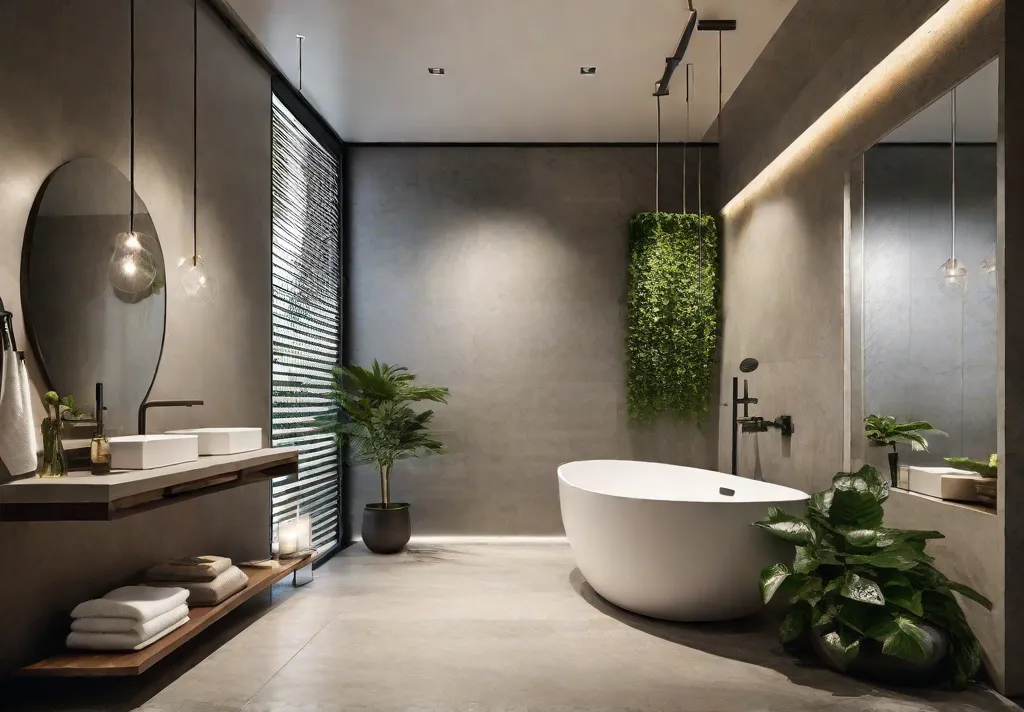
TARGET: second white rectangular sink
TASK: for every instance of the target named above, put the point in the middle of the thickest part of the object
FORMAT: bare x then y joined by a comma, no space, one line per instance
145,452
944,483
225,441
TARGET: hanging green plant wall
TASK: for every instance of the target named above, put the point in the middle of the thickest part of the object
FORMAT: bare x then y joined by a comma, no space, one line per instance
673,315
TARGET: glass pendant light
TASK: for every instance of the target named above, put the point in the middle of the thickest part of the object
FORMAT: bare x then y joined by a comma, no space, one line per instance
198,284
952,276
133,269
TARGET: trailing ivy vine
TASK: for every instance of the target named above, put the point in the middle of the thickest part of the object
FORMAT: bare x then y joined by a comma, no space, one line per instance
673,315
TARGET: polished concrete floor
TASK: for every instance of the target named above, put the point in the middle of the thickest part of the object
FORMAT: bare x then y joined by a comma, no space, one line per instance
483,628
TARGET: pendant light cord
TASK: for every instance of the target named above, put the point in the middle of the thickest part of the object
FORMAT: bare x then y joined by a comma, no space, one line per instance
700,220
720,107
686,139
131,122
952,123
657,161
195,133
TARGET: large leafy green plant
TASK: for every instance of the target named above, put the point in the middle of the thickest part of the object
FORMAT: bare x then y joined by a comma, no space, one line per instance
853,579
885,431
375,418
673,315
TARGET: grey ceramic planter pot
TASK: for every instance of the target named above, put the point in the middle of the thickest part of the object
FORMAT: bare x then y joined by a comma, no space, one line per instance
872,664
386,531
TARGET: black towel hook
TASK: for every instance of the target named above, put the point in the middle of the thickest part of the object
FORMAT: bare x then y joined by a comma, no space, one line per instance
7,327
7,330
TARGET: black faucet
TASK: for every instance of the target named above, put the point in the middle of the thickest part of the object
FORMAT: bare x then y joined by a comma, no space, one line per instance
146,405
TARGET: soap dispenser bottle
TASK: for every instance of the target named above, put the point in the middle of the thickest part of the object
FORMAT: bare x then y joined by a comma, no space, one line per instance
99,450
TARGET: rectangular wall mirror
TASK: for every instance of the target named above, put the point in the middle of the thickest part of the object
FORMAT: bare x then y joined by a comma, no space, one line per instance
922,278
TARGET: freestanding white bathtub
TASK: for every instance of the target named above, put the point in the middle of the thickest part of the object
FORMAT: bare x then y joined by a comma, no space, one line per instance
669,542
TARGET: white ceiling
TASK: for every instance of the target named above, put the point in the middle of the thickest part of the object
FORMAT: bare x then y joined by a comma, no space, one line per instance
512,67
977,113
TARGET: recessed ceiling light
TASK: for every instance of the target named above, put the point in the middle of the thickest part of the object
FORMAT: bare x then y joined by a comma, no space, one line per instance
588,71
437,71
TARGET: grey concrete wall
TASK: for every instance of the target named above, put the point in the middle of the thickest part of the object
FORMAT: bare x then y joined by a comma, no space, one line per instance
500,272
783,249
65,89
927,356
971,535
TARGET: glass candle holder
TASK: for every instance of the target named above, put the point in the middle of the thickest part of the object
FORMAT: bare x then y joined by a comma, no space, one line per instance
294,535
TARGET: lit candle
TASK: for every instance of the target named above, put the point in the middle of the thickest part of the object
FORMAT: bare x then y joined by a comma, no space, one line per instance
287,537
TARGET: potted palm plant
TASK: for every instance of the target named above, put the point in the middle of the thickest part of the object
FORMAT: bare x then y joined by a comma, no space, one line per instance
884,431
380,427
866,597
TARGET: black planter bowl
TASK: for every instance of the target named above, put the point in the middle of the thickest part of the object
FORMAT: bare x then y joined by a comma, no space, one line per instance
874,665
386,529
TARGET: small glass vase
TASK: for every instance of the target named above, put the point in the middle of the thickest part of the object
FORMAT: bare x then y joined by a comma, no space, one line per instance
55,462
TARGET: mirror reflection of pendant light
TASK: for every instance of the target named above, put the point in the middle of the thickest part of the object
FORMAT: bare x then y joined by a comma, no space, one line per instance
952,274
197,281
990,268
133,269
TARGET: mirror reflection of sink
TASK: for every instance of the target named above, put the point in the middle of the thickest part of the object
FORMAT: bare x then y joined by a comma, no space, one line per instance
144,452
226,441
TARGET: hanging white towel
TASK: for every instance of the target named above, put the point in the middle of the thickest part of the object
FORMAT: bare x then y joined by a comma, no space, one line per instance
143,603
117,641
26,392
17,446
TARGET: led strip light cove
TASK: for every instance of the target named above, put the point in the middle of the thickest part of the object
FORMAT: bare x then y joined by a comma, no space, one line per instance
956,17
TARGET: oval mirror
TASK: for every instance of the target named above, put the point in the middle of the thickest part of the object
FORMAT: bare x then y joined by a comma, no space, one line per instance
94,296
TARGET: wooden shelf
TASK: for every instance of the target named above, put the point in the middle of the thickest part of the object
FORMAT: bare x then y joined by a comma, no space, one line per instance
84,497
73,664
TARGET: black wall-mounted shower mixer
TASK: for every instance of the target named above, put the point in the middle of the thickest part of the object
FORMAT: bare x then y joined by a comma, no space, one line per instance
757,424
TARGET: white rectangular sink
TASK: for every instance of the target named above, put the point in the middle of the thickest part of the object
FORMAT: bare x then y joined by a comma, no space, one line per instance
225,441
145,452
944,483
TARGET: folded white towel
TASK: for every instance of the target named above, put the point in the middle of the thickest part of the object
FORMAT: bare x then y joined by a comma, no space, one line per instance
143,603
117,641
146,629
17,443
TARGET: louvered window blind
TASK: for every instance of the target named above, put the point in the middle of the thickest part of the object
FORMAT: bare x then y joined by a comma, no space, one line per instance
306,270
